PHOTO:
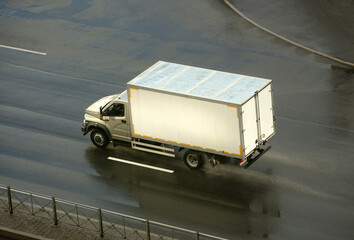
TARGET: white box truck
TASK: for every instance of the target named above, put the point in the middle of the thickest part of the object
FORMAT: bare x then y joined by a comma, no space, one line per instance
172,107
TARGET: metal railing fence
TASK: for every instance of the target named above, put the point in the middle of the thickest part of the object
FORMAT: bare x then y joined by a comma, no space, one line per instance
103,222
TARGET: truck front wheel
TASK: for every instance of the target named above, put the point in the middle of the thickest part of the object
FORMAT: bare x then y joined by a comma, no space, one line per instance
99,138
192,159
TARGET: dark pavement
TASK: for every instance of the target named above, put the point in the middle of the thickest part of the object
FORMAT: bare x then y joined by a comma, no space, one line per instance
323,25
300,189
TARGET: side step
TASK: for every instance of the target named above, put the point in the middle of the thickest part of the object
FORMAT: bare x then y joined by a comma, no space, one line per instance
162,150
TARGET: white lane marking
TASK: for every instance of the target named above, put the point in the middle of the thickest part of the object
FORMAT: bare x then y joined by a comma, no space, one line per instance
141,165
23,50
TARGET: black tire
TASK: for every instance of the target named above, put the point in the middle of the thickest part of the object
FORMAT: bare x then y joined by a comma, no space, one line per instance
192,159
99,138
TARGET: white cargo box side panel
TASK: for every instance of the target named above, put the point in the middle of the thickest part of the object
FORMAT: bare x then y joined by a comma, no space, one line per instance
249,121
186,121
266,113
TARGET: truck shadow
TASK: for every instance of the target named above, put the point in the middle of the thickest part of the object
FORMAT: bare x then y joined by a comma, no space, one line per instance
223,198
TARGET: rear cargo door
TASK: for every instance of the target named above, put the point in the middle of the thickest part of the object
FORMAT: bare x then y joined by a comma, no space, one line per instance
266,123
250,128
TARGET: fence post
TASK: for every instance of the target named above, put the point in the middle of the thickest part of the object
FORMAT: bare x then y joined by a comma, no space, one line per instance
77,215
100,221
125,234
55,216
32,211
147,230
196,235
9,200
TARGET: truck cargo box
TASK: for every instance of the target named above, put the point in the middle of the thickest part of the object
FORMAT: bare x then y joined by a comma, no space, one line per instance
222,113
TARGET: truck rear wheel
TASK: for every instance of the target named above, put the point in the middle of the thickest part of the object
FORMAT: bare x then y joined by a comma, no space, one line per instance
99,138
192,159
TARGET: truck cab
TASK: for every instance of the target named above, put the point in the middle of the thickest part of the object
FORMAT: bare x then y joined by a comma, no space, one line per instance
108,119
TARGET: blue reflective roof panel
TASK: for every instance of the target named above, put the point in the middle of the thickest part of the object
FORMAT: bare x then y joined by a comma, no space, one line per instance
187,79
215,84
158,75
199,82
242,89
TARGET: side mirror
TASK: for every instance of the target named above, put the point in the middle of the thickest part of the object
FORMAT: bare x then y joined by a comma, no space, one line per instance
101,112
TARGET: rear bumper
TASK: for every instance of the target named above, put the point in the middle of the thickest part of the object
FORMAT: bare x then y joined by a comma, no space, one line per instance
250,161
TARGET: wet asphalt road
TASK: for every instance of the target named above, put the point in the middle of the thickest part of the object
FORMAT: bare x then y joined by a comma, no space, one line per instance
301,189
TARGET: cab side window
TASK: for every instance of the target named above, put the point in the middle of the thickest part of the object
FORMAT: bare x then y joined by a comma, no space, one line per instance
116,110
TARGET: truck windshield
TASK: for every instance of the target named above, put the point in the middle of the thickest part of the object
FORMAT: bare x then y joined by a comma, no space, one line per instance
107,100
104,105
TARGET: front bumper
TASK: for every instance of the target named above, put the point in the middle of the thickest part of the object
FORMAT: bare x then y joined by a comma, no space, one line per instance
84,127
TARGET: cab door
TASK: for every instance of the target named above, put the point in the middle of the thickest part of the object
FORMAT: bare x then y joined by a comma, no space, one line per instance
116,119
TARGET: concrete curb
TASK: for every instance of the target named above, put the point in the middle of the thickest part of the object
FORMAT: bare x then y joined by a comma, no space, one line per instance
15,234
349,64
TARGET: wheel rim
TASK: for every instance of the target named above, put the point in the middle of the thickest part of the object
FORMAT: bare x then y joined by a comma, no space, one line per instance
99,139
192,160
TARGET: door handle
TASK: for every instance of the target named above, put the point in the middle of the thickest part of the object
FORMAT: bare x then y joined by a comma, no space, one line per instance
124,121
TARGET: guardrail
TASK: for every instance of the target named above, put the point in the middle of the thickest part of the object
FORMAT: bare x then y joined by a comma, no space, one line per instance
98,220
